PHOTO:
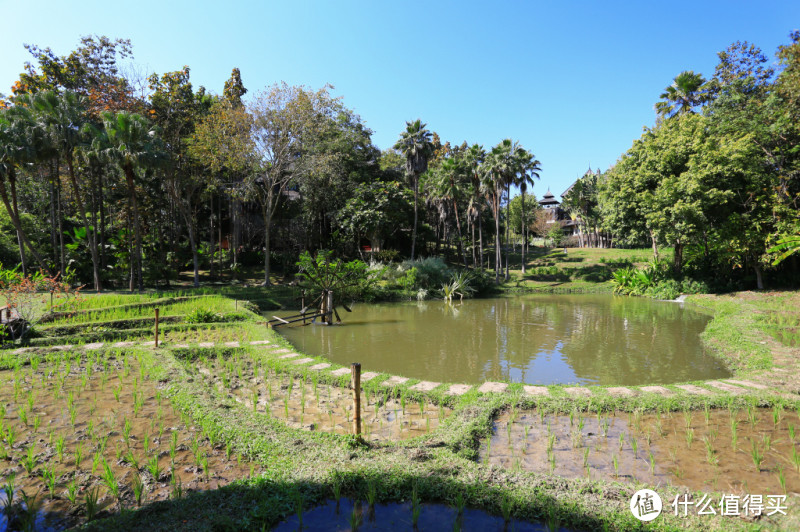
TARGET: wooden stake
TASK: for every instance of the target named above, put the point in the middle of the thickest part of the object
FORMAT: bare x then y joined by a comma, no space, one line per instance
355,374
157,327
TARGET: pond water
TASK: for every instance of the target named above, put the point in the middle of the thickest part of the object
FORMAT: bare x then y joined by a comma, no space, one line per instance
535,339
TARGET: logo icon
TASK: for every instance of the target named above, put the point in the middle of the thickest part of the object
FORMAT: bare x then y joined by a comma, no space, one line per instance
645,505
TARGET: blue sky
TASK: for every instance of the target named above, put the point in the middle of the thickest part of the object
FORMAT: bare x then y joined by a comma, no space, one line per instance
574,82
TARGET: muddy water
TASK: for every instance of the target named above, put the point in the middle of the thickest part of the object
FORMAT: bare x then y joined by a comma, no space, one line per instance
321,407
343,514
680,448
94,426
535,339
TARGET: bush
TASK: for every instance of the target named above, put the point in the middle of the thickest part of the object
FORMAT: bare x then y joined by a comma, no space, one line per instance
201,315
430,272
666,290
690,286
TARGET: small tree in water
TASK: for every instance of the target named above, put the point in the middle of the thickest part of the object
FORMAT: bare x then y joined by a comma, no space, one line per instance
323,273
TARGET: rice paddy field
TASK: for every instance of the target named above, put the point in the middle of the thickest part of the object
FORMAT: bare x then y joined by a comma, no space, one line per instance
225,425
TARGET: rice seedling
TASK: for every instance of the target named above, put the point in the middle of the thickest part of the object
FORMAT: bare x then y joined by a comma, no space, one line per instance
372,492
139,490
31,505
78,455
689,438
110,480
586,457
96,459
131,460
23,416
766,439
621,440
615,462
146,442
90,500
60,448
756,455
751,415
506,507
29,461
634,445
72,491
652,459
49,476
153,468
605,424
796,458
777,414
687,417
782,478
355,518
791,432
711,454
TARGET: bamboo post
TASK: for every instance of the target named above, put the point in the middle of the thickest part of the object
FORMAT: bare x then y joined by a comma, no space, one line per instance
355,374
157,327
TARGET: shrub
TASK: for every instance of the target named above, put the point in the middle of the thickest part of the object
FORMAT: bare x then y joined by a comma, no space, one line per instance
668,289
386,255
431,272
202,315
690,286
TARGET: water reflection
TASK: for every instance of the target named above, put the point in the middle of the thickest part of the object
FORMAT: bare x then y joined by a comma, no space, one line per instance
537,339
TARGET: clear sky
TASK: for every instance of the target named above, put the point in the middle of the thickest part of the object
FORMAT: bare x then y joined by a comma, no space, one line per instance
574,82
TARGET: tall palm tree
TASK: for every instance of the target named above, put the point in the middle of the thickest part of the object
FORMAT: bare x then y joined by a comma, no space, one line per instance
132,144
497,166
19,139
415,143
529,169
448,180
64,116
473,159
688,90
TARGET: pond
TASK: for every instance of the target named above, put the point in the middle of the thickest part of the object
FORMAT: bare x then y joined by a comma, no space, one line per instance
535,339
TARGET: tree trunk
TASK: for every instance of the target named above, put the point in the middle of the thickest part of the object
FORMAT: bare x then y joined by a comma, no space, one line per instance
678,265
655,245
524,240
137,230
460,242
472,244
414,233
759,279
211,236
90,235
267,226
498,259
13,213
508,226
480,238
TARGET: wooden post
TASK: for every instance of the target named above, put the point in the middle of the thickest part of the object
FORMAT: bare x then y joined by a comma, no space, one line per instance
329,310
355,374
157,327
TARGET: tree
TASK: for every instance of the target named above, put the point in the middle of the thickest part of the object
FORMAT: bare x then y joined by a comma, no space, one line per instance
18,140
687,92
64,118
497,167
176,109
132,145
415,144
449,185
529,169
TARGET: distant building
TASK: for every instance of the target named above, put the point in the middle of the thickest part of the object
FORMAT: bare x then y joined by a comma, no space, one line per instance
557,215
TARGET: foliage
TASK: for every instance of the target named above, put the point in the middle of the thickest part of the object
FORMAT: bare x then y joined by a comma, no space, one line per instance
202,315
347,280
33,296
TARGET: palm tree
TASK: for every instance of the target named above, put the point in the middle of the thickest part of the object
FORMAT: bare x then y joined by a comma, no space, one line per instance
688,90
18,145
529,169
63,116
132,143
415,143
473,159
499,164
448,186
